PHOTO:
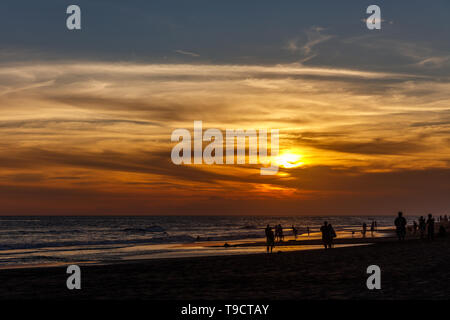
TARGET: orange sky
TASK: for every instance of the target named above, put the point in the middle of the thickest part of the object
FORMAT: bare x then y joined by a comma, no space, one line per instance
94,138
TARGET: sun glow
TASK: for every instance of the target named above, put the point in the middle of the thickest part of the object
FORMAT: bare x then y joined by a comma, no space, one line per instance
289,160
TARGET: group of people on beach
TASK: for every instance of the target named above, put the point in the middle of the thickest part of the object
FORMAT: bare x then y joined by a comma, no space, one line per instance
328,234
373,228
278,236
327,230
426,228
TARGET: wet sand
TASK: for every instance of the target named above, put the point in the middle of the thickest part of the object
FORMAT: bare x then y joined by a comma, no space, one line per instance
413,269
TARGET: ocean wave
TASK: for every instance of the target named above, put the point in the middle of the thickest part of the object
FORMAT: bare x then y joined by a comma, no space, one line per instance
248,227
144,230
59,244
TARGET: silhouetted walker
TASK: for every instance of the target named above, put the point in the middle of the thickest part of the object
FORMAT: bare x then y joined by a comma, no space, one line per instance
294,232
415,226
277,233
400,224
372,227
332,235
422,227
280,233
270,238
442,231
326,235
364,229
430,227
307,230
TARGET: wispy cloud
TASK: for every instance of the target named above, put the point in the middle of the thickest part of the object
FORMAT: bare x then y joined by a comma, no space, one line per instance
107,126
187,53
314,36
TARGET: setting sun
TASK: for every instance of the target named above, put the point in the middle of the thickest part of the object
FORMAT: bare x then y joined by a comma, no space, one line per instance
289,160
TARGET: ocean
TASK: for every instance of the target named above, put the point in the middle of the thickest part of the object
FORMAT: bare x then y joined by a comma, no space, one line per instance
36,241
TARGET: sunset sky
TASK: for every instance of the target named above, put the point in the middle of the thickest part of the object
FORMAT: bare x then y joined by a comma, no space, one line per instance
86,116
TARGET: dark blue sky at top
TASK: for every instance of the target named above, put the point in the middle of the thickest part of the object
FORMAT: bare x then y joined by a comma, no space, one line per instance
242,32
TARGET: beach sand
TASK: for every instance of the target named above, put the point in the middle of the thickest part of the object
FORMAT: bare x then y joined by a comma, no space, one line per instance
413,269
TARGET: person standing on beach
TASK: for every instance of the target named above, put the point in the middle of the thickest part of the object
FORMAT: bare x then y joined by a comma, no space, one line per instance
281,233
430,227
400,224
325,229
270,238
307,230
415,227
372,228
295,232
422,227
364,229
332,235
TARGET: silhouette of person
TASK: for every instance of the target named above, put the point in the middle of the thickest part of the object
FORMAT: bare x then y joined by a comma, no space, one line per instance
280,233
372,227
307,230
400,224
325,234
364,229
332,235
415,226
277,233
430,227
295,232
442,231
270,238
422,227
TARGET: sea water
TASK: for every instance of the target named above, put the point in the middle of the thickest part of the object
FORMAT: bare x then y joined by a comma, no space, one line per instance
38,240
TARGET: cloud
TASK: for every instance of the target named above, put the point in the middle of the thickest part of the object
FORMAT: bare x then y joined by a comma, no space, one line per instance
187,53
104,129
377,146
314,36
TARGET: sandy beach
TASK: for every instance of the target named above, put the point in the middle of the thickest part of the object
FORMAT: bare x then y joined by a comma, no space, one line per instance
413,269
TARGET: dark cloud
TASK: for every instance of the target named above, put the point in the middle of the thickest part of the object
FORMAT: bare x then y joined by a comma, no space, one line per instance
376,146
39,123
